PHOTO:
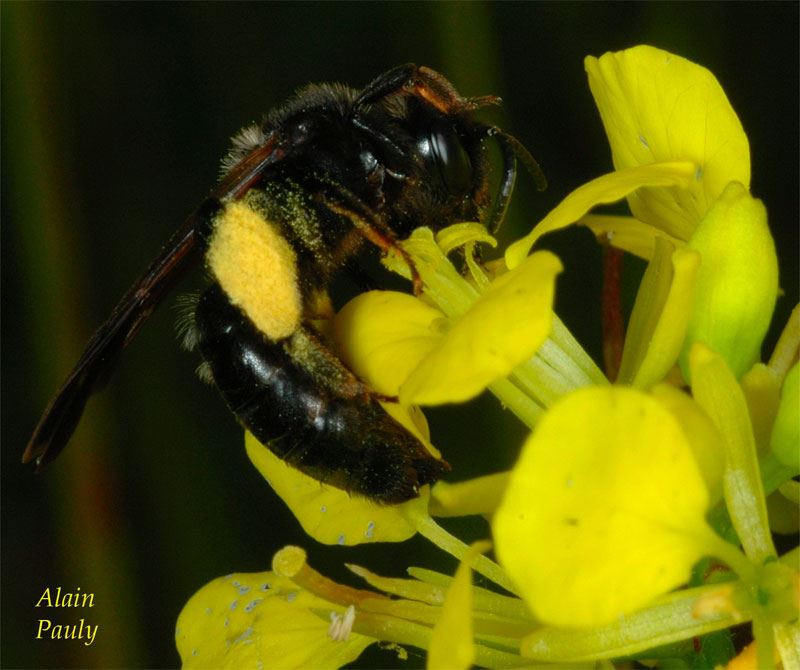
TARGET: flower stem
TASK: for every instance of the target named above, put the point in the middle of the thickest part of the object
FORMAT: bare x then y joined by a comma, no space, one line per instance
428,528
525,408
672,618
483,600
582,362
392,629
733,558
765,643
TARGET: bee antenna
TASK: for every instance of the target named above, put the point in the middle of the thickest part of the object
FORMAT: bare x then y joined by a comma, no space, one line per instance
512,150
510,143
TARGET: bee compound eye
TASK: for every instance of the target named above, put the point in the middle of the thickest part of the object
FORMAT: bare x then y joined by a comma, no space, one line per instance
448,154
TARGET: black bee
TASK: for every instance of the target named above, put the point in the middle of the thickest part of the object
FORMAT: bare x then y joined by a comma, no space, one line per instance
300,194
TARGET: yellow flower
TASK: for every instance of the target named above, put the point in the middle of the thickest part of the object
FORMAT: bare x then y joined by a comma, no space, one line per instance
619,490
618,512
598,542
261,620
737,283
403,347
682,161
441,359
294,617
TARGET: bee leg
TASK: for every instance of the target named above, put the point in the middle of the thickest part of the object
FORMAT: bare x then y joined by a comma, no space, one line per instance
439,92
424,83
380,236
319,307
386,84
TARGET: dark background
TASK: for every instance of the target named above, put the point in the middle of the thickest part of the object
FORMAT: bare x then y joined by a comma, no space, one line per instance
114,117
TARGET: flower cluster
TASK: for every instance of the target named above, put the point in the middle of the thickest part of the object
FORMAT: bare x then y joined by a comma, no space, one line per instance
649,533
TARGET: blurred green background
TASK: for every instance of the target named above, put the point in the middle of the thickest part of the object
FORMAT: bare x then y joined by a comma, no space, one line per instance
114,117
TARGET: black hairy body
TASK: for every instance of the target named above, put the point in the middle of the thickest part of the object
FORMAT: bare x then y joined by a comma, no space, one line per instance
333,169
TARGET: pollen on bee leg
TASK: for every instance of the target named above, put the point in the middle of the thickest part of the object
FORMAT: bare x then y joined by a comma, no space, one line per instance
256,267
342,624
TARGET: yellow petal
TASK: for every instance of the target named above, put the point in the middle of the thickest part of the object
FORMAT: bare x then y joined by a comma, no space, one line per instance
737,283
481,495
700,431
502,329
383,336
604,510
660,316
655,107
627,233
605,189
452,646
252,620
328,514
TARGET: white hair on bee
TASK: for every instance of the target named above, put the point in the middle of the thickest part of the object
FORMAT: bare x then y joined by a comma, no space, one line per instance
342,624
185,326
188,333
247,139
204,373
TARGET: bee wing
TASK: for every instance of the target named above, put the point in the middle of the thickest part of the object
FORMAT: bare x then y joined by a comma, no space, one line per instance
102,352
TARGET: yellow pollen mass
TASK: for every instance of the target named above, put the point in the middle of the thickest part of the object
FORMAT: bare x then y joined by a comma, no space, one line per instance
256,268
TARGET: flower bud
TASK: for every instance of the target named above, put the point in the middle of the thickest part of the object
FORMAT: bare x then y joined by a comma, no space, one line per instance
737,282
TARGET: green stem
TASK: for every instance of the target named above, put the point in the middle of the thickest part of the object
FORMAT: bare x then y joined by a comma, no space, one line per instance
765,643
566,342
429,529
558,367
734,558
483,600
525,408
391,629
541,381
670,619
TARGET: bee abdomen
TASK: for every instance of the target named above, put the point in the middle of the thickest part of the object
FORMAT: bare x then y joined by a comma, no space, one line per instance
326,430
